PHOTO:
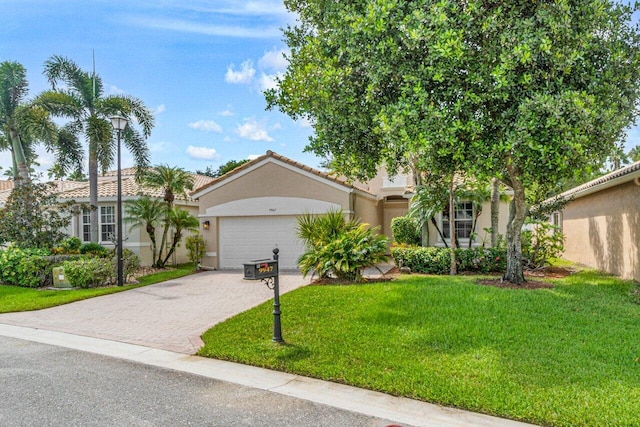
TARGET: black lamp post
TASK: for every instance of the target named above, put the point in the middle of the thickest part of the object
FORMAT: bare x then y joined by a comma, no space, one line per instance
119,123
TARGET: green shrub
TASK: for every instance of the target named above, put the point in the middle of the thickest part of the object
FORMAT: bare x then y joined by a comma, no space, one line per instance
130,263
88,272
432,260
541,243
95,249
25,267
196,246
71,245
339,246
406,231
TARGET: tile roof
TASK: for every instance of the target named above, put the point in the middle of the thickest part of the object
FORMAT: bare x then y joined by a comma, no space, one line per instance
271,154
108,186
6,184
605,181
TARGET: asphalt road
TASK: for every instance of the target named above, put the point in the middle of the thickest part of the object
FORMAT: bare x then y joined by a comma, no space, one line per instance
43,385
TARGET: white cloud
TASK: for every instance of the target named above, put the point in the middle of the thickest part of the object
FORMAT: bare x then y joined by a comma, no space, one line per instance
115,90
268,81
202,153
206,29
244,76
227,113
253,131
305,123
274,60
277,126
253,156
206,125
160,109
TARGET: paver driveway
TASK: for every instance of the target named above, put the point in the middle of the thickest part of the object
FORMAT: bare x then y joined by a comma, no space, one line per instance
170,315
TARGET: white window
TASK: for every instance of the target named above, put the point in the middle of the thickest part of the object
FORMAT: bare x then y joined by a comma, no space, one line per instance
86,225
463,221
556,219
107,223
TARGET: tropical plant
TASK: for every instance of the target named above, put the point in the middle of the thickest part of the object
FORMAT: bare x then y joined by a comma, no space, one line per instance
339,246
541,242
405,230
171,181
79,96
145,212
179,221
23,124
196,246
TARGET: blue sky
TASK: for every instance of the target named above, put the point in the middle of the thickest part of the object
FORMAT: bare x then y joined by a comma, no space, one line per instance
201,66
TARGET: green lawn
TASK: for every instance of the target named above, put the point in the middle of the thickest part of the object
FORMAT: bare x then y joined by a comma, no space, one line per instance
15,298
564,356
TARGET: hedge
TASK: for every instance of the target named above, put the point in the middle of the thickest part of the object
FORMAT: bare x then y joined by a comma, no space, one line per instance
432,260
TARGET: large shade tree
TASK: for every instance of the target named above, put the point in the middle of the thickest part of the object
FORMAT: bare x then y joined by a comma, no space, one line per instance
79,96
529,92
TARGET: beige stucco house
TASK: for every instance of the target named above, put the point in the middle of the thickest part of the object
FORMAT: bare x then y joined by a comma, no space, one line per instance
246,213
135,239
601,223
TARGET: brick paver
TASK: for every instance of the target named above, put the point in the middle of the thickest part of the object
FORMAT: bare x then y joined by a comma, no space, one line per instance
170,315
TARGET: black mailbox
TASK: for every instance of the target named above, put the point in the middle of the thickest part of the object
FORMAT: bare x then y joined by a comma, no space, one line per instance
260,269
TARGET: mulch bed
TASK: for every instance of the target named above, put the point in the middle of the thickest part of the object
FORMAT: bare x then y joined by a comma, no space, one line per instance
534,279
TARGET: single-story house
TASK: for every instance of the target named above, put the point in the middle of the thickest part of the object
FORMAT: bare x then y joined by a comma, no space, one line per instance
601,223
249,211
137,238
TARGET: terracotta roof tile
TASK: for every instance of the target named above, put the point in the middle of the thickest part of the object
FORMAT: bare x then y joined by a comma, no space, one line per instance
628,170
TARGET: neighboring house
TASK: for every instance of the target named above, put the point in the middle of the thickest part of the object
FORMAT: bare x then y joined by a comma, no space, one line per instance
601,223
135,239
249,211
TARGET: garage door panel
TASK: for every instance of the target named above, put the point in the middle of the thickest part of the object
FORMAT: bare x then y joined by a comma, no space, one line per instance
246,238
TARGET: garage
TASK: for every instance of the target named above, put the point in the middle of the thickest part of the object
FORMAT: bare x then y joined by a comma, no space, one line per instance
248,238
249,211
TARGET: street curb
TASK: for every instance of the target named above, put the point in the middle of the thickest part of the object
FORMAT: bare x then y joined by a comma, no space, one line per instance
398,409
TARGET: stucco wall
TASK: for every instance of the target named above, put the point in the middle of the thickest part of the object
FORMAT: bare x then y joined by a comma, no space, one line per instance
602,230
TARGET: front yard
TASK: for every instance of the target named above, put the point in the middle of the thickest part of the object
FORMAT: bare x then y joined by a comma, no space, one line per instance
564,356
16,298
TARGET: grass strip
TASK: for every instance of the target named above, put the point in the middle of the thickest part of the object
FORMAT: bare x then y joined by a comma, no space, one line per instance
16,298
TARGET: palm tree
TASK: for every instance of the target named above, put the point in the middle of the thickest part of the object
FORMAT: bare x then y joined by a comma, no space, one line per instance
180,220
78,96
171,180
13,89
145,212
634,153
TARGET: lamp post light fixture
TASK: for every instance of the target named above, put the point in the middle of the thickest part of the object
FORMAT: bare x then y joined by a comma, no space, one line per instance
119,123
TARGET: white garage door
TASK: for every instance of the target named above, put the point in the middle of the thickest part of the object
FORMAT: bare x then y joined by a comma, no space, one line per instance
247,238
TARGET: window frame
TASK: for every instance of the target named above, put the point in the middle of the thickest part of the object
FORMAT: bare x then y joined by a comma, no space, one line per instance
469,219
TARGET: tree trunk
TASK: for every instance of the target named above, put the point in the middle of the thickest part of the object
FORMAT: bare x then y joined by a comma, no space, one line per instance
452,229
435,224
94,214
495,211
22,171
517,214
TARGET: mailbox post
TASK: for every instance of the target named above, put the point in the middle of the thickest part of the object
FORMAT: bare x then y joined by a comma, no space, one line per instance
266,271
